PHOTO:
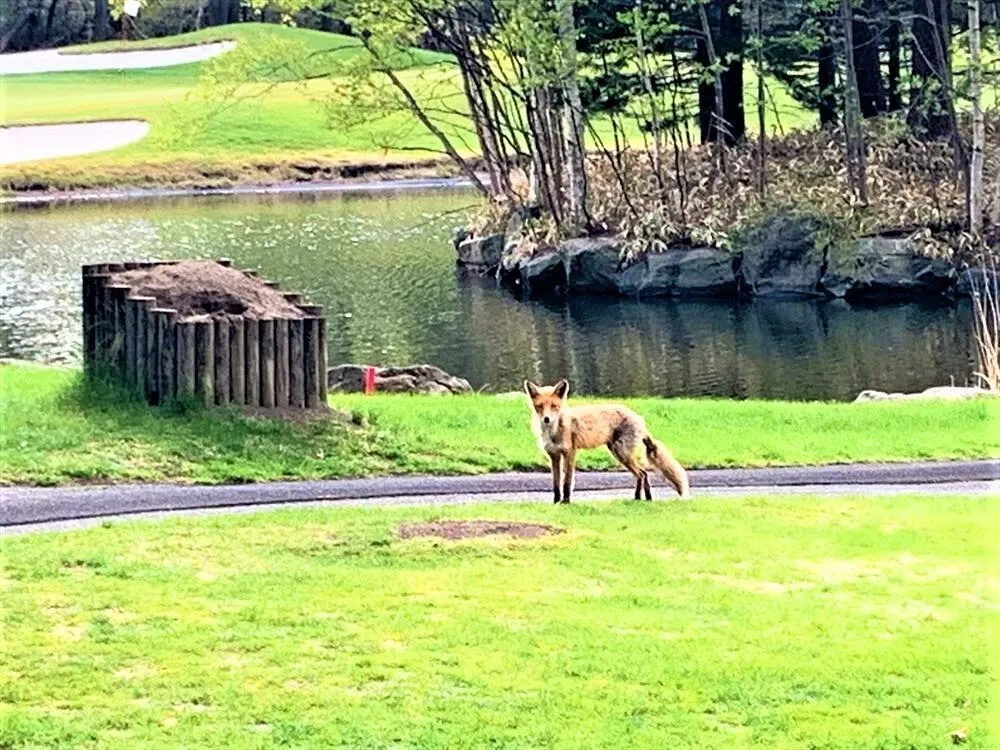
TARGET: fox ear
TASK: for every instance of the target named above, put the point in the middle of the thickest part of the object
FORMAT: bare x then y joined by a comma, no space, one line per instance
562,388
530,388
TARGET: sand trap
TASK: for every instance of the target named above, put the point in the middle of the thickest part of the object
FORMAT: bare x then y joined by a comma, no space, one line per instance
30,142
50,61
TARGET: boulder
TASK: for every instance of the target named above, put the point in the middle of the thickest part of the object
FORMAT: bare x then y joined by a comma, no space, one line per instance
893,267
685,272
592,264
412,379
481,252
978,278
543,275
459,235
784,255
943,392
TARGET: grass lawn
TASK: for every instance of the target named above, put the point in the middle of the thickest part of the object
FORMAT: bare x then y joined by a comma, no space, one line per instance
53,429
281,133
823,623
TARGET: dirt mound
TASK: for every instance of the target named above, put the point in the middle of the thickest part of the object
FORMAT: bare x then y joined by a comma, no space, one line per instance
197,288
475,529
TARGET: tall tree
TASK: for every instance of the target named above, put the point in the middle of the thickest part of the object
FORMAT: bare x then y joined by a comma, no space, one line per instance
867,66
854,140
719,52
101,26
931,67
572,120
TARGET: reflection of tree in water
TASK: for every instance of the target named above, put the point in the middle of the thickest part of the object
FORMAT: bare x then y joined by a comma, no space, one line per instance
770,349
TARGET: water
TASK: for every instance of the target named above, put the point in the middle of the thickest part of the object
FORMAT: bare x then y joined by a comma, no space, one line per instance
383,266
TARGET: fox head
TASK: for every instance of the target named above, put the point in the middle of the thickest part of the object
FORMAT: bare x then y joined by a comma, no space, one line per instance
547,401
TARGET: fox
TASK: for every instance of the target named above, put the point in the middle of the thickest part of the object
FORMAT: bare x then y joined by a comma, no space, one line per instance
563,430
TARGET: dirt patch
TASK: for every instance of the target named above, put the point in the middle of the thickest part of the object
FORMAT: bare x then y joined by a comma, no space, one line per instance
198,288
476,529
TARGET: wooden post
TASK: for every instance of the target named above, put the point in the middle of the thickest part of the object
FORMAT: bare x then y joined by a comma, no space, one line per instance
152,354
251,331
143,355
313,348
310,360
131,335
119,293
322,362
222,361
237,362
267,363
296,369
102,330
166,320
204,372
185,360
281,393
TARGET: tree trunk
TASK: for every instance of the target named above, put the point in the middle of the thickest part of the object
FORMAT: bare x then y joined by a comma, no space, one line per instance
895,92
871,91
572,122
931,68
49,21
201,15
731,49
762,132
717,132
975,182
853,135
101,28
827,83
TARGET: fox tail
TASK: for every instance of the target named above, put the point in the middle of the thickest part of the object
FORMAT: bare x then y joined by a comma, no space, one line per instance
663,460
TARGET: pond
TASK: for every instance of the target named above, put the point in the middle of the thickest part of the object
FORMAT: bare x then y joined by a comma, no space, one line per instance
383,265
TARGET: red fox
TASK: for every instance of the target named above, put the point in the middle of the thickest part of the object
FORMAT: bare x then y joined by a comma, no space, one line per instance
563,430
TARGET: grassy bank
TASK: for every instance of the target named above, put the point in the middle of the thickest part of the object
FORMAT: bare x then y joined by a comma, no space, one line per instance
54,429
275,133
754,623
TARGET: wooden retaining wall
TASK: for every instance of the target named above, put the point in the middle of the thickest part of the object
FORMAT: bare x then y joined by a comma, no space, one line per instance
269,362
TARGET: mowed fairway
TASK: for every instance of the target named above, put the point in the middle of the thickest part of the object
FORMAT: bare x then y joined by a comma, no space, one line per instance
848,623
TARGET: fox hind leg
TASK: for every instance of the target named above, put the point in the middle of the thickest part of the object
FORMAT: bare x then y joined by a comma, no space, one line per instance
625,454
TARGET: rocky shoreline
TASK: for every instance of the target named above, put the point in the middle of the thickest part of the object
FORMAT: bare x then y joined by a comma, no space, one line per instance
786,255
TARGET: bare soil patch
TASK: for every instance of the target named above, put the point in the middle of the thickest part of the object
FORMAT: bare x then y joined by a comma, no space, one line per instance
199,288
477,529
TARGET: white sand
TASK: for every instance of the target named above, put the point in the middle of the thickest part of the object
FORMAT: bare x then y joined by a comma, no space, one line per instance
30,142
50,61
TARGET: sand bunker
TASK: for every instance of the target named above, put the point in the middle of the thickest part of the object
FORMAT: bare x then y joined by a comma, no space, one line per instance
31,142
199,288
51,61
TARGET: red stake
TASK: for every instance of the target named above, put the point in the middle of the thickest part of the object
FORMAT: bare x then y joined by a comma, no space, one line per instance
369,381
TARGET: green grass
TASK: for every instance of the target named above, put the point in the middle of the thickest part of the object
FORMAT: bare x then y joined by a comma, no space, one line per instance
752,623
268,137
55,429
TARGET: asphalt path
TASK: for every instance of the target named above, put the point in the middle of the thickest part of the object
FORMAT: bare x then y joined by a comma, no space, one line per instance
27,509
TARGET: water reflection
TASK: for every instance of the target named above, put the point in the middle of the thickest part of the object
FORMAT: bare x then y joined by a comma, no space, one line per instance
383,266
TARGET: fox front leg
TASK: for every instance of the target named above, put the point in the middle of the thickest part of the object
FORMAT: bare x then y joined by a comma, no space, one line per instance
556,459
569,463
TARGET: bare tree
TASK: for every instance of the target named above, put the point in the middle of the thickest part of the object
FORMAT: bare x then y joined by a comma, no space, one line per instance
853,135
572,125
975,182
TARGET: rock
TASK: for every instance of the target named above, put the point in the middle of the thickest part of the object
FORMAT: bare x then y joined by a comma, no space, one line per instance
944,392
682,272
592,264
978,278
458,236
413,379
543,275
481,252
784,255
893,267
